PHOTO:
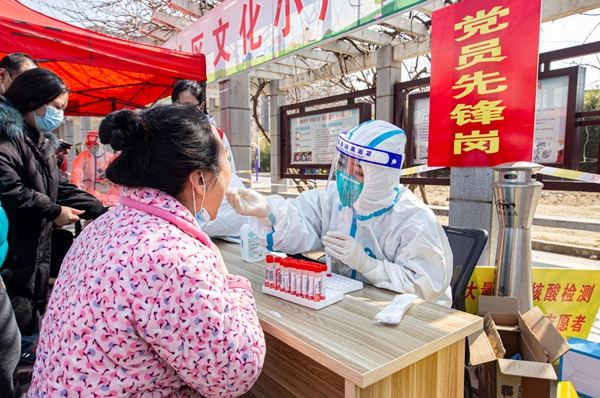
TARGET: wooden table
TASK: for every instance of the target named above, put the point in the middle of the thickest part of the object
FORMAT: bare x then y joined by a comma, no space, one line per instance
338,351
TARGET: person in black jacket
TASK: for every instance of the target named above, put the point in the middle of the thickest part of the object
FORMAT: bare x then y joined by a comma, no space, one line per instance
33,192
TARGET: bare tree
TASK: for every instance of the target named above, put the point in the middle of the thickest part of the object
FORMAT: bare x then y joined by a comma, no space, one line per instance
118,18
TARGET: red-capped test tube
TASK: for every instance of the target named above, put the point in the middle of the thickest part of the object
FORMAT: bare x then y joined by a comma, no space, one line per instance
305,275
286,274
311,281
293,275
278,273
269,272
323,277
317,281
299,274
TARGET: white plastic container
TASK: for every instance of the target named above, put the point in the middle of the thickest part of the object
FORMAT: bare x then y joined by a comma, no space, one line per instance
252,249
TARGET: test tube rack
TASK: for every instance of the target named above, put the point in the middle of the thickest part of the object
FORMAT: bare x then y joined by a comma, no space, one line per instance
331,297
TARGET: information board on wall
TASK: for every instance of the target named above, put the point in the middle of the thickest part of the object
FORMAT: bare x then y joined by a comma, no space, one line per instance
420,130
551,119
313,137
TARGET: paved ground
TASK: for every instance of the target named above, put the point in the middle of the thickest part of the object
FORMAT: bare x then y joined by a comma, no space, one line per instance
545,259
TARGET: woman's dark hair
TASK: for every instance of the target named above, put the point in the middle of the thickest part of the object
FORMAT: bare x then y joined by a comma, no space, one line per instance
193,87
34,88
161,146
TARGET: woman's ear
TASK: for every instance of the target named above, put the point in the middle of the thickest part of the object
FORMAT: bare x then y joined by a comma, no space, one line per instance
197,182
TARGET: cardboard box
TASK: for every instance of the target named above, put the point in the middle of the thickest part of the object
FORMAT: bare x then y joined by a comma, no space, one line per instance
531,335
581,366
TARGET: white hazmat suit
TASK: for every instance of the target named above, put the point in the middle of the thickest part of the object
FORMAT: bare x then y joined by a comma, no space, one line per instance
88,171
388,237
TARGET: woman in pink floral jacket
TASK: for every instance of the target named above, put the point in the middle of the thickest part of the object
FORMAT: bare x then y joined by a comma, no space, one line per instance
143,305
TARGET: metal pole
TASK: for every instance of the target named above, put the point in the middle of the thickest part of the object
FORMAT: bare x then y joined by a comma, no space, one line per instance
257,163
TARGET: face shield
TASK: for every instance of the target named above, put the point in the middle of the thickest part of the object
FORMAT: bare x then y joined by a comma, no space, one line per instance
348,176
364,176
92,143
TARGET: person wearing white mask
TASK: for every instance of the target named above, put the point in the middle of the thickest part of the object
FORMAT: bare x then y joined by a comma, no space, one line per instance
88,171
372,228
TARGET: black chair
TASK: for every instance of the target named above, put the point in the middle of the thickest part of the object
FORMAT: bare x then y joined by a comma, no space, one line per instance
467,245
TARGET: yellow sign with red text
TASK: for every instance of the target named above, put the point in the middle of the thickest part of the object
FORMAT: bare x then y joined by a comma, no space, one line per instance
568,297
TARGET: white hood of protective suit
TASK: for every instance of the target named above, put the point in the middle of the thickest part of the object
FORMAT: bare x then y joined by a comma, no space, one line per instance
380,182
93,137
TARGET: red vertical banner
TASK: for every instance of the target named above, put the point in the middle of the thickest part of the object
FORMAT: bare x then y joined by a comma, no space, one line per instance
484,63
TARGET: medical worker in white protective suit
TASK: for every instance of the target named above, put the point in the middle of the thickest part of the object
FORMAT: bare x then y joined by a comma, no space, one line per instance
88,171
373,229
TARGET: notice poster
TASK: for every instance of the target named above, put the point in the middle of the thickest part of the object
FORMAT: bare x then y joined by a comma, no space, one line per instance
550,120
314,137
568,297
420,130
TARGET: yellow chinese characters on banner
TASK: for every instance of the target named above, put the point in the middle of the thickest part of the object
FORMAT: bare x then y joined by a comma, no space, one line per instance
568,297
483,82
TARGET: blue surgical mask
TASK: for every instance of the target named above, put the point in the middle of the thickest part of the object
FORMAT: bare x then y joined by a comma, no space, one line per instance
202,216
50,122
349,188
94,149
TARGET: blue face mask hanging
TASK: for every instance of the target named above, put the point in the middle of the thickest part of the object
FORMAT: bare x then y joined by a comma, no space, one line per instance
349,188
202,216
50,122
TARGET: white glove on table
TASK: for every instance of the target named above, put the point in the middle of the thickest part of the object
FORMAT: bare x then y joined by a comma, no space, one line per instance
349,251
248,202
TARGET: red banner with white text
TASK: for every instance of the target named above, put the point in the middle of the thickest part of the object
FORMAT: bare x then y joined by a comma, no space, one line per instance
484,62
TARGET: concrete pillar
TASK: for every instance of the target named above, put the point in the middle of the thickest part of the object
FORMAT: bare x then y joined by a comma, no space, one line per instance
214,110
278,99
69,130
389,72
85,126
234,115
263,104
471,205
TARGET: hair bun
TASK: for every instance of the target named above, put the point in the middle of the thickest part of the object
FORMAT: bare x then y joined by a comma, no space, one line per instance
122,129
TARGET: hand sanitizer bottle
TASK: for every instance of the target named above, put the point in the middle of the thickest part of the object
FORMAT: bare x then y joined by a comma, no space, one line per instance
252,249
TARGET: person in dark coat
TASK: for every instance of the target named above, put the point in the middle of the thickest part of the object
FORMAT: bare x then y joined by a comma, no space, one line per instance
33,192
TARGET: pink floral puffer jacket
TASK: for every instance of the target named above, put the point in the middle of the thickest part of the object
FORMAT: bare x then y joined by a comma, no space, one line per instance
141,309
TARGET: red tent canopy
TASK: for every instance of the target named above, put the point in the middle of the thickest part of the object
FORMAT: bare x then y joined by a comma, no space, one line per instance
102,73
